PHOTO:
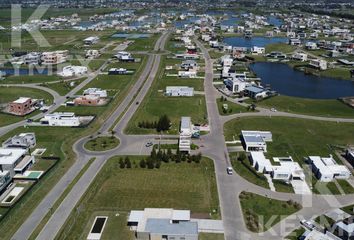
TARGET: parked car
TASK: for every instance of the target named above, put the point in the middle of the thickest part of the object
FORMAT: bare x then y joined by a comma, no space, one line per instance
229,170
149,144
307,224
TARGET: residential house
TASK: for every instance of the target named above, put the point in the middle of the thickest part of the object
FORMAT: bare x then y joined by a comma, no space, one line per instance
185,135
257,50
163,224
235,85
23,140
318,63
350,156
53,58
256,92
117,71
345,229
61,119
71,71
254,141
326,169
96,91
311,46
294,41
177,91
91,40
187,74
21,106
15,160
299,56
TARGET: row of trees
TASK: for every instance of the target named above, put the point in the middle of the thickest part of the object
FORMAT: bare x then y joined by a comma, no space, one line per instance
157,157
163,124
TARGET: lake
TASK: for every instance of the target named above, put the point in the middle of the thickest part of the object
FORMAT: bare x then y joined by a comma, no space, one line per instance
25,71
255,41
287,81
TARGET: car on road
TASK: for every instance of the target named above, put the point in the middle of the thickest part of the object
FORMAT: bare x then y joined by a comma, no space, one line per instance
307,224
229,170
149,144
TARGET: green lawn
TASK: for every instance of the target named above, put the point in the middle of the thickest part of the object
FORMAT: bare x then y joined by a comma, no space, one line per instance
144,44
315,107
280,47
258,210
245,170
102,143
115,190
281,186
30,79
211,236
232,108
63,87
8,94
294,235
156,104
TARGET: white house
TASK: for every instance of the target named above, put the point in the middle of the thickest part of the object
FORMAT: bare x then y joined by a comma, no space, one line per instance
256,140
326,169
91,40
62,119
311,46
96,91
176,91
15,160
70,71
300,56
319,63
5,179
256,92
23,140
257,50
260,163
236,85
185,135
294,41
187,74
287,169
163,223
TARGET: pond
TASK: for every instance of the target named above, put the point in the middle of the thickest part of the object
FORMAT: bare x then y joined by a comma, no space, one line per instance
251,42
25,71
290,82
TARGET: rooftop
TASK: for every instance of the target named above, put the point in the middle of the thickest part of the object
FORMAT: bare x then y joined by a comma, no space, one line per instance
11,155
165,227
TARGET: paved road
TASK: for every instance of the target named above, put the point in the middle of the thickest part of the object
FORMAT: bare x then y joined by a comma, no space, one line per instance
60,215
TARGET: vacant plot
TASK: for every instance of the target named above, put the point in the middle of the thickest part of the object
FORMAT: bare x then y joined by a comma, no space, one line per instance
144,44
315,107
115,190
102,143
157,104
64,87
258,210
231,108
25,79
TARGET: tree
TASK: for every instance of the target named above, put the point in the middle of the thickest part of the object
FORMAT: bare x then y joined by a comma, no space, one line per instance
142,163
150,163
121,163
198,158
158,164
163,124
127,162
242,157
112,133
153,153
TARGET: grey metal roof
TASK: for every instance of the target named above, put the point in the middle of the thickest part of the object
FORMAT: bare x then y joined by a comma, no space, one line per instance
253,138
164,226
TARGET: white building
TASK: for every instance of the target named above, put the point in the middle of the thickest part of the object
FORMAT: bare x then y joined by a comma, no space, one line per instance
15,160
122,55
177,91
91,40
294,41
92,53
260,163
23,140
62,119
326,169
187,74
163,224
311,46
287,169
257,50
300,56
185,134
5,179
235,85
256,140
96,91
70,71
319,63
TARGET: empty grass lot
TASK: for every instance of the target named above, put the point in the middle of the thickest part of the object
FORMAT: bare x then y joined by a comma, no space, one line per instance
232,108
8,94
258,210
143,44
315,107
156,104
298,138
63,87
25,79
175,185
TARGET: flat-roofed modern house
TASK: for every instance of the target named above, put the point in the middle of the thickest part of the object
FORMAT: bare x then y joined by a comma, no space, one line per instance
349,154
345,229
319,63
256,140
23,140
235,85
21,106
61,119
185,135
96,91
15,160
163,224
260,163
326,169
56,57
179,91
5,179
255,92
91,40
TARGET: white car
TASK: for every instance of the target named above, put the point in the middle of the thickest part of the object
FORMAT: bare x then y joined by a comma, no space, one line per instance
229,170
273,109
307,224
